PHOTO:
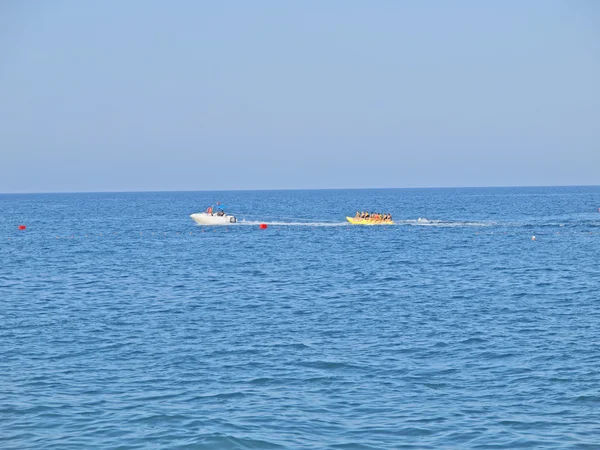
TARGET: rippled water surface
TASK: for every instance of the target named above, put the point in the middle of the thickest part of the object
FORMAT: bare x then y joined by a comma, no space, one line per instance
124,324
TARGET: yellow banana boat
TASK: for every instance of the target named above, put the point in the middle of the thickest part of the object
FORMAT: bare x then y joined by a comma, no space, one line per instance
356,221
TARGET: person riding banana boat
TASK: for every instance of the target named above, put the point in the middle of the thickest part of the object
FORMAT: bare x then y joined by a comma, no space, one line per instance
370,218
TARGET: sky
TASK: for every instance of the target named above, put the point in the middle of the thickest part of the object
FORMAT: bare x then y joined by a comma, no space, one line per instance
203,95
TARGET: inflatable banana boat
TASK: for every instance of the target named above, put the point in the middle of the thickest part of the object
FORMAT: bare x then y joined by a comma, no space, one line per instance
359,221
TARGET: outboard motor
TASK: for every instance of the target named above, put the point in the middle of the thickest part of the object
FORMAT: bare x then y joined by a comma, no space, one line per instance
232,219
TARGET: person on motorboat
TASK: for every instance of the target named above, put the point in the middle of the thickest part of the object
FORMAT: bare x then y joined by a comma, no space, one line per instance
209,210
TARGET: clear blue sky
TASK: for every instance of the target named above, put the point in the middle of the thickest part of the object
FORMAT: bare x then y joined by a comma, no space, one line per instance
194,95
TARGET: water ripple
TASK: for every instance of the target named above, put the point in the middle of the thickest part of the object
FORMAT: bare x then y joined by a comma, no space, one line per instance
459,332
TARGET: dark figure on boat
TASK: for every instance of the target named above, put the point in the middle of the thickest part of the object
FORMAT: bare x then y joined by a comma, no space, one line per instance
375,216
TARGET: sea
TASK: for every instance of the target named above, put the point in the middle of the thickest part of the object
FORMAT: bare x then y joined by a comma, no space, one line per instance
473,322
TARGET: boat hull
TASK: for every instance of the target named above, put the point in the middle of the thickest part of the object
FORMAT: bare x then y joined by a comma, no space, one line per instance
355,221
208,219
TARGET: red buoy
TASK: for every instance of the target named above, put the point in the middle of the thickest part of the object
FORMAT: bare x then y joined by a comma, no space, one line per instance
22,227
263,226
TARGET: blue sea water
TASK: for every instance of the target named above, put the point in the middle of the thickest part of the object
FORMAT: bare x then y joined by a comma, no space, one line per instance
125,325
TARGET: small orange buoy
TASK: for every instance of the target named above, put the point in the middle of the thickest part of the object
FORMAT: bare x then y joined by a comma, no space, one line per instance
263,226
22,227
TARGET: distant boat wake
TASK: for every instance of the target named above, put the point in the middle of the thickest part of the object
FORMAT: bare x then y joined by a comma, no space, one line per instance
443,223
293,224
408,222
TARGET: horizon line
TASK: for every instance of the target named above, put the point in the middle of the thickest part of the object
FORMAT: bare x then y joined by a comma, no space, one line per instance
296,189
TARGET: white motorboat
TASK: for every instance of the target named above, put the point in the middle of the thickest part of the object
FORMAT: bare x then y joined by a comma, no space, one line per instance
205,218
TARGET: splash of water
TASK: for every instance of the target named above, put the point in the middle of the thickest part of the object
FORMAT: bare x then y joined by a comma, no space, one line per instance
293,224
411,222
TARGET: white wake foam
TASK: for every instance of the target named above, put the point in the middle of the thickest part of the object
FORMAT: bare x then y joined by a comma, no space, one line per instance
410,222
293,224
442,223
